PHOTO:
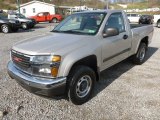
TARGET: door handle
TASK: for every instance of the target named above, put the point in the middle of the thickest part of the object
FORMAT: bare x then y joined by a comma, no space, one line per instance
125,37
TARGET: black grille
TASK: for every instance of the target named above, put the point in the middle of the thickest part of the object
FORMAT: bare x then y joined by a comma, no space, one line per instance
17,21
20,60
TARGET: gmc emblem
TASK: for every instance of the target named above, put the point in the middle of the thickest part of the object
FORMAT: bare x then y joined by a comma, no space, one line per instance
17,59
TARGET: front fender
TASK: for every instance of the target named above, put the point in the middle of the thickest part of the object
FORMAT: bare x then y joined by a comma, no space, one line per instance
71,58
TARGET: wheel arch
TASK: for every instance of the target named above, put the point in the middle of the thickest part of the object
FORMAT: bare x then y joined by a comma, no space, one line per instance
90,61
143,40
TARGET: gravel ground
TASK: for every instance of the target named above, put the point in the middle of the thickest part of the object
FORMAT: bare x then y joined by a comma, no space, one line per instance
125,91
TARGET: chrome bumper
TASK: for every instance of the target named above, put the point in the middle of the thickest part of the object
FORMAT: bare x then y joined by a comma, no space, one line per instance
47,87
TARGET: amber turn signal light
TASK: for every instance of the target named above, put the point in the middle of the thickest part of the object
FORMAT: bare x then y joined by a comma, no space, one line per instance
56,58
54,71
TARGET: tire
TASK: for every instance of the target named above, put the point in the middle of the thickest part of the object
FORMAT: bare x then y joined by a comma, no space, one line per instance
81,84
54,20
5,28
139,57
24,26
158,24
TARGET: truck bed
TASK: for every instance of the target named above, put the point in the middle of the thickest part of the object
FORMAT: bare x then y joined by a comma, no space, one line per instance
137,25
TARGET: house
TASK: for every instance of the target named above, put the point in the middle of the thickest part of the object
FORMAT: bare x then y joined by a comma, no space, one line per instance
34,7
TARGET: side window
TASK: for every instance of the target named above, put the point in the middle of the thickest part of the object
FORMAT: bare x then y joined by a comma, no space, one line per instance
40,14
116,20
12,16
34,10
24,10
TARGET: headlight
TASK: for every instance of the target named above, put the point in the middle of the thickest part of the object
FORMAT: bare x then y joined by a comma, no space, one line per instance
46,66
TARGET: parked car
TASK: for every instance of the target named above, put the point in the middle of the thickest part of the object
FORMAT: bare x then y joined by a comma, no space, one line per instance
133,18
47,17
25,22
157,20
8,25
146,19
69,59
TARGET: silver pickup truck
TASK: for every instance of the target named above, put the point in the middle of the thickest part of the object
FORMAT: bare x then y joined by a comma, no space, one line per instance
68,60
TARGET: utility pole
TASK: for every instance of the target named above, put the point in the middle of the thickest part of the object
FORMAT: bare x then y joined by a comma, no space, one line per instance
107,6
80,4
18,4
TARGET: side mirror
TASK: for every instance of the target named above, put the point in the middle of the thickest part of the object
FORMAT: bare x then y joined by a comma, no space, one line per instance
108,32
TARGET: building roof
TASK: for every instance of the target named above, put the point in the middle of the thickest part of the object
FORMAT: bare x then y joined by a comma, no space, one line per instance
35,1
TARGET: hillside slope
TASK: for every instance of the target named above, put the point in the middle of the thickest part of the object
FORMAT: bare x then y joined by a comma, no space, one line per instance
11,4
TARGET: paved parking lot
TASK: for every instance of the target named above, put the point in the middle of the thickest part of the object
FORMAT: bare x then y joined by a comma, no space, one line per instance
125,91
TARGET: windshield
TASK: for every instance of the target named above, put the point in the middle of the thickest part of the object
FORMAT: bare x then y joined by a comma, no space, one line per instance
81,23
20,16
3,15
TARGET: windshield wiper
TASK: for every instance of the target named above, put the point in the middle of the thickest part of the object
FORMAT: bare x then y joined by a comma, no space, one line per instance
72,31
56,31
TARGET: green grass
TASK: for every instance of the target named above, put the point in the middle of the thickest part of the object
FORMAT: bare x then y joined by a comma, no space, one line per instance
139,5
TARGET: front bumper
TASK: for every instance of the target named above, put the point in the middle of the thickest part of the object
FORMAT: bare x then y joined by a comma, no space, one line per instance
46,87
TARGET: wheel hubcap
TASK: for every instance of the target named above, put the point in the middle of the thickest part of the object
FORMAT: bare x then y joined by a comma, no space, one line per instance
54,20
5,29
83,86
158,24
24,26
142,53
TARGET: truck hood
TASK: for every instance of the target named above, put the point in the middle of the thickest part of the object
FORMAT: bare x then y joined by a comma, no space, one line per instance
52,43
24,19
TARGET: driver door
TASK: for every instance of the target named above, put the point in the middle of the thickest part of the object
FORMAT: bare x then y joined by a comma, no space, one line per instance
41,17
115,48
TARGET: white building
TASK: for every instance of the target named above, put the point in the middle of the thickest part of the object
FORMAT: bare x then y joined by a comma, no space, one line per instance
34,7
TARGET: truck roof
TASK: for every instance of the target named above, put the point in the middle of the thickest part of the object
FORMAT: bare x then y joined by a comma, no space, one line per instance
102,11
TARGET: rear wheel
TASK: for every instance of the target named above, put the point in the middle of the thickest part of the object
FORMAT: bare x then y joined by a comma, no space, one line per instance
54,20
5,28
81,84
139,57
24,26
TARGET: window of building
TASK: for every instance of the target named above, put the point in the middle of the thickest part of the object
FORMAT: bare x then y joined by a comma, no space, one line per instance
34,10
24,10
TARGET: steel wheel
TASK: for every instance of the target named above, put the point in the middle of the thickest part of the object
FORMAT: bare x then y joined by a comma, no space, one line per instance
54,20
83,86
80,84
5,28
139,57
142,54
24,26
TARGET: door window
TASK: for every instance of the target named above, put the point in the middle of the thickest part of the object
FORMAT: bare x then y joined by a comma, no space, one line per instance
116,20
40,14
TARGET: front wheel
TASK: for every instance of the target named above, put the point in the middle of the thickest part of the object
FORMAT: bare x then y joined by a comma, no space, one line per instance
81,84
139,57
5,28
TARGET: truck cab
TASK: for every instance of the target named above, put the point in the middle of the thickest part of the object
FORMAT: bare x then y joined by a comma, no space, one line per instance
8,25
26,23
47,17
